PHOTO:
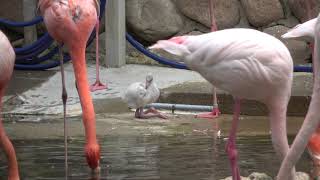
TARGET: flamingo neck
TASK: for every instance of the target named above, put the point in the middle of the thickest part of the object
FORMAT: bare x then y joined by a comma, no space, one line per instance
312,119
80,71
8,148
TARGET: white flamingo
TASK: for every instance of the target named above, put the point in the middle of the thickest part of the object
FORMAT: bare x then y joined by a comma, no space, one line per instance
248,64
139,94
307,135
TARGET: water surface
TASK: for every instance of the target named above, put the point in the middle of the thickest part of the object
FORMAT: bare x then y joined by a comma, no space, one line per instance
147,157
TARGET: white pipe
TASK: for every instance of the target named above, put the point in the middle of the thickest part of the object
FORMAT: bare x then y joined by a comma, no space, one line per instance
185,107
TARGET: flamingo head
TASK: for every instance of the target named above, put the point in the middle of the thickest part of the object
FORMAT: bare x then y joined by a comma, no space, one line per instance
175,46
149,79
92,153
304,31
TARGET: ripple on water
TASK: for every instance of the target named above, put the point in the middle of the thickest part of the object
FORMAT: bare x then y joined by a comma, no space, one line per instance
147,157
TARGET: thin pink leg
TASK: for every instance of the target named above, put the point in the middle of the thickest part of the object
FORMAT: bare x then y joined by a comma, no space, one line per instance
212,18
97,85
145,114
215,110
231,144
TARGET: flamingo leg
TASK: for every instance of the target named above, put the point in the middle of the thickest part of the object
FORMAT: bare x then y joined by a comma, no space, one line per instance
215,110
97,85
231,144
64,101
145,114
8,148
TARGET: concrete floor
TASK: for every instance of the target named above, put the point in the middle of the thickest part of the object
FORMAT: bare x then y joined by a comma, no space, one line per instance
39,92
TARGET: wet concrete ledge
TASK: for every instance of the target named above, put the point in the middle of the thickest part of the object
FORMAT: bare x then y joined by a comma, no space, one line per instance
200,93
41,91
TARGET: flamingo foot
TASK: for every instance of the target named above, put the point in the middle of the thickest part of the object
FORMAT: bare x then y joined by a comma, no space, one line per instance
233,158
145,114
92,152
210,115
315,171
98,86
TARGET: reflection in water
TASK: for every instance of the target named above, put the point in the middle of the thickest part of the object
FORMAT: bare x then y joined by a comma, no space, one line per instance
147,157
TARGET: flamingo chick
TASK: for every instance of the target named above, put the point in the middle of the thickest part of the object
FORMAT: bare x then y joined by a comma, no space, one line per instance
248,64
7,58
139,94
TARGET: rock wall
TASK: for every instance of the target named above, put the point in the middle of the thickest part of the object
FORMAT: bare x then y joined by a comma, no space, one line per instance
151,20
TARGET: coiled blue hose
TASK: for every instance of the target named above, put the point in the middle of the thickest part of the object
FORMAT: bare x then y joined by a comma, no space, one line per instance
26,55
31,62
301,68
9,23
45,39
159,59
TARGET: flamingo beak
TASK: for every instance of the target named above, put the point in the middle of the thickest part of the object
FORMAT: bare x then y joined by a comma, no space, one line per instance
155,46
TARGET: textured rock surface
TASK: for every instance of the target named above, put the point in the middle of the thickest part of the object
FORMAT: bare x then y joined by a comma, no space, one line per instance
199,11
299,50
299,9
151,20
262,12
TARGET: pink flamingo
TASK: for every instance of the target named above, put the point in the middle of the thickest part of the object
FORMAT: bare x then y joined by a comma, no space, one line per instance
248,64
215,110
71,22
309,30
7,58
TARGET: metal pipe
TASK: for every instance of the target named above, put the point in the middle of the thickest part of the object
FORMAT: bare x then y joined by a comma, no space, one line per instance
184,107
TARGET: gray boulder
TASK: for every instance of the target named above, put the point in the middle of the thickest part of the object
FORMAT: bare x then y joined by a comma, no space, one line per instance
299,50
299,9
262,12
226,12
151,20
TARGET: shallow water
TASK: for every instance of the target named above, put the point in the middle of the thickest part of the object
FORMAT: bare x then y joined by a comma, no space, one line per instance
147,157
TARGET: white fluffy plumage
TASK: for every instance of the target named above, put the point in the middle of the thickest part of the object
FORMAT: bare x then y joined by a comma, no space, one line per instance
138,94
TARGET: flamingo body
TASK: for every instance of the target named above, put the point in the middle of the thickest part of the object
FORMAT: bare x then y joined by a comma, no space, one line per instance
71,22
7,58
248,64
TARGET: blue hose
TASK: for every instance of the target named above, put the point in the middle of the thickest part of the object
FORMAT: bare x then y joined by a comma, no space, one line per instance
38,67
159,59
301,68
34,21
31,63
35,53
37,60
46,38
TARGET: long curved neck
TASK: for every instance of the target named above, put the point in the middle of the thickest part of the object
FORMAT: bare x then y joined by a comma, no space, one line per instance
80,71
312,119
8,147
